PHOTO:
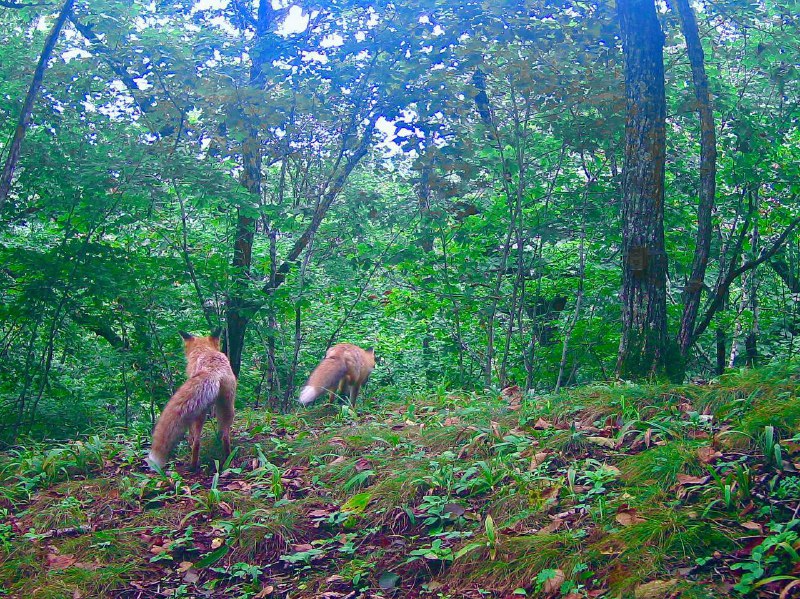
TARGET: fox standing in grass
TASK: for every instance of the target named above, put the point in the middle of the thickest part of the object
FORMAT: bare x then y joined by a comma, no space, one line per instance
342,371
211,382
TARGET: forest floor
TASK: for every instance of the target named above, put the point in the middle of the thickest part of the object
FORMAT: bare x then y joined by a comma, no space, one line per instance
601,491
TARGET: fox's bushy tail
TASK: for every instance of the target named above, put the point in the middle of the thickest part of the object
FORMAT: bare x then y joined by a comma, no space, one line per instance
193,398
326,376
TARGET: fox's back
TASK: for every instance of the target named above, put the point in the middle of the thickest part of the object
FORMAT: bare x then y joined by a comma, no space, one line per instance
203,357
359,362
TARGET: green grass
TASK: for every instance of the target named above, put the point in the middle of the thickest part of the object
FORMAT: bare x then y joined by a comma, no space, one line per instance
625,485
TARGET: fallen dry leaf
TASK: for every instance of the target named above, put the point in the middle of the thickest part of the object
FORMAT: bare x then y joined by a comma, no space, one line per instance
603,441
628,517
264,592
656,589
238,485
362,464
686,479
553,585
550,493
554,525
542,424
708,454
184,566
60,562
191,576
538,459
786,592
513,395
216,543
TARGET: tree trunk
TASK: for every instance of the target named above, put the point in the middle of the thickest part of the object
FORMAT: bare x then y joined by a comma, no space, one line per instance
751,295
27,107
238,312
578,298
708,173
721,351
643,343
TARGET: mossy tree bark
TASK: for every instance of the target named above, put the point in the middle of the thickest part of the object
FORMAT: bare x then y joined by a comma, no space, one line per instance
643,344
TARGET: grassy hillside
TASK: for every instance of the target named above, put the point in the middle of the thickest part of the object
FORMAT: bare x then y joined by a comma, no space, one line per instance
604,491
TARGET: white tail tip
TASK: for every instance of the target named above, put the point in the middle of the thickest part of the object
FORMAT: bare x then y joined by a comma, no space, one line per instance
153,460
307,395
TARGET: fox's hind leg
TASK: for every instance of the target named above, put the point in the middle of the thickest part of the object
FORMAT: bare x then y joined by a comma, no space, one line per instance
195,431
225,409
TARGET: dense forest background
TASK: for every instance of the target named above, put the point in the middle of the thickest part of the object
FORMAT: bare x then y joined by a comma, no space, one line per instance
449,182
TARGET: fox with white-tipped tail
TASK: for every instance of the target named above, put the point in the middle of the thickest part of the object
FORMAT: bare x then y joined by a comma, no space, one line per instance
343,370
210,382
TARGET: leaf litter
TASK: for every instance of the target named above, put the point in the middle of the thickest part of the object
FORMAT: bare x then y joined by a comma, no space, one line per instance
584,500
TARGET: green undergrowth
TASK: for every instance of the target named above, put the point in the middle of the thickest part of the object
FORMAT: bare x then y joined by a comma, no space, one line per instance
602,491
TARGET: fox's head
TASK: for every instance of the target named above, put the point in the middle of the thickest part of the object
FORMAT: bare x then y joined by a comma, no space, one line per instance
376,359
190,342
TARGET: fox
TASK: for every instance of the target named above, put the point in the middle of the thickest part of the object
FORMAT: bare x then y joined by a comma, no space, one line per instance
210,382
343,370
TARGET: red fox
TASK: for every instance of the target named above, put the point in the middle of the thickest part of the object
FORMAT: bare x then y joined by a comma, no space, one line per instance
343,370
211,381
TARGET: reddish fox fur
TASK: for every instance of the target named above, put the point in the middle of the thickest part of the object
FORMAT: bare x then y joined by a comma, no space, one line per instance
343,370
210,382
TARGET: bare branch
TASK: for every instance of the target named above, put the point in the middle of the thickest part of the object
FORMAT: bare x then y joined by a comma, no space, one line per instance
24,119
721,290
331,193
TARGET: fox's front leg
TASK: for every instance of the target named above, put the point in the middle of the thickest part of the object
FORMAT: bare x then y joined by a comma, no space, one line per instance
354,389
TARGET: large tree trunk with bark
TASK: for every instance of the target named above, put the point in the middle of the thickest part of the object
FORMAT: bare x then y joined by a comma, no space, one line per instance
643,344
237,309
238,313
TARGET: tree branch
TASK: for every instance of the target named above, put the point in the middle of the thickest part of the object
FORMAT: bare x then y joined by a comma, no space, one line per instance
101,329
145,104
330,194
719,295
785,273
708,170
15,146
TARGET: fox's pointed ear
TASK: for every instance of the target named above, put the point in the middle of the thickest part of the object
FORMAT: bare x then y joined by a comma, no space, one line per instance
186,336
216,332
